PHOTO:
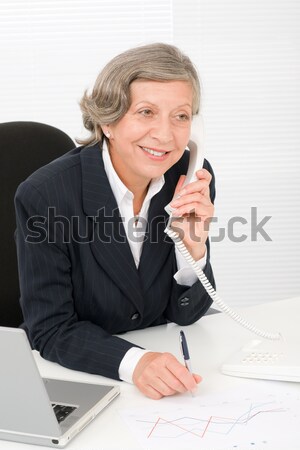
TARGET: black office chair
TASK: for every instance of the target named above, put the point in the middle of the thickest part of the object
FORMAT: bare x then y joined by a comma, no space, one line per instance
24,147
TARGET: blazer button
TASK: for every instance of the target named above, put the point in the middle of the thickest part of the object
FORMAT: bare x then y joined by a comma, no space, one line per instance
135,316
185,301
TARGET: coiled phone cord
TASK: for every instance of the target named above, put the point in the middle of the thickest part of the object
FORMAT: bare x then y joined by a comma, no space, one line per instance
212,293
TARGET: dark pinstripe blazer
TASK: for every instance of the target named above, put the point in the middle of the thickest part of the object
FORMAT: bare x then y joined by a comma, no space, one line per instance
79,286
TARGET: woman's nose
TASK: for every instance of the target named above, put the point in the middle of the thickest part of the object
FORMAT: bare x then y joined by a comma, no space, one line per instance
162,131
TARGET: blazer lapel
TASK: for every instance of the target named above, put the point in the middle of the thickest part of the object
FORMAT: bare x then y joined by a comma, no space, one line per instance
109,244
157,245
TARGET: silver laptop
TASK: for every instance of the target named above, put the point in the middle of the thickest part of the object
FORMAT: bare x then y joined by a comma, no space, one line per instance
42,411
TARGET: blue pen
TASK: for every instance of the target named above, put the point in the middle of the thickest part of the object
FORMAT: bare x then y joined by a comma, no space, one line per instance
185,353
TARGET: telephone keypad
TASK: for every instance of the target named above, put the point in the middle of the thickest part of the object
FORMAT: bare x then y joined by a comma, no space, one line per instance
261,358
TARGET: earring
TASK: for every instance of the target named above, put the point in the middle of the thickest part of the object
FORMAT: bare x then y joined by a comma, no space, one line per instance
107,134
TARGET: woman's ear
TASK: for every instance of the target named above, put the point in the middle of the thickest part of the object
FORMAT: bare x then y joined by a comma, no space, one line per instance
107,133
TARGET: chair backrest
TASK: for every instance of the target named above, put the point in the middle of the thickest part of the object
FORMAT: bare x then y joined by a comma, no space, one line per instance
24,147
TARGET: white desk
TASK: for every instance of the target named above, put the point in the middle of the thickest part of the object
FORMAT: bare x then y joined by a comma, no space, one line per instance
211,341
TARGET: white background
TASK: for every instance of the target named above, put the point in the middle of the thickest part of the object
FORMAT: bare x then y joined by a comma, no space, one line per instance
248,56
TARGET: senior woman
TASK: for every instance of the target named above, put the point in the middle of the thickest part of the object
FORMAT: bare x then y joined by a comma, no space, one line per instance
94,261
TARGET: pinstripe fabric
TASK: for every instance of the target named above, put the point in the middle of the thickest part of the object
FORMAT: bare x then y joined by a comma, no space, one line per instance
79,287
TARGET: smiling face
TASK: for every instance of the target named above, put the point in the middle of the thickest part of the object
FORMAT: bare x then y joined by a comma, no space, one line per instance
154,132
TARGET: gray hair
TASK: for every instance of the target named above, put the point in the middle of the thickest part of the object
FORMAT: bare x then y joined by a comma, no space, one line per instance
110,98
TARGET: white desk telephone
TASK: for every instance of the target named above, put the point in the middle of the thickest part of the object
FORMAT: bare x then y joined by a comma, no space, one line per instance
269,357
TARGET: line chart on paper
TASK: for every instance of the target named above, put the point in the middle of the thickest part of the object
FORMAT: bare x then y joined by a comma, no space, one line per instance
199,427
240,422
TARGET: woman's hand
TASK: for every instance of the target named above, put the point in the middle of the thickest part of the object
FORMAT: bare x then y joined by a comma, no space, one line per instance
160,374
192,212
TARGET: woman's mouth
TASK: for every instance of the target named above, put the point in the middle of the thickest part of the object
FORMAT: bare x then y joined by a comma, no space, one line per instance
155,154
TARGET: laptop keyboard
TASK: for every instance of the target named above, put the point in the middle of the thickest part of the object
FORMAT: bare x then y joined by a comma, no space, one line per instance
62,411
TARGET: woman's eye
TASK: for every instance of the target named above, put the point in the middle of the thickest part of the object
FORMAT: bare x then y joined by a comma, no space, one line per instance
146,112
183,117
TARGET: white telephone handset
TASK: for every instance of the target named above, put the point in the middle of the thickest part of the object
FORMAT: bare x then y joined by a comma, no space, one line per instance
196,154
284,367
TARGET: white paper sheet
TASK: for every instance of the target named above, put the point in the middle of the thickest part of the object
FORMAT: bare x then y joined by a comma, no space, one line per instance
264,419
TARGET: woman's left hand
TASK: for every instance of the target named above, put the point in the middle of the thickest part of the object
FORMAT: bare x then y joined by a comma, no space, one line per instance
192,212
